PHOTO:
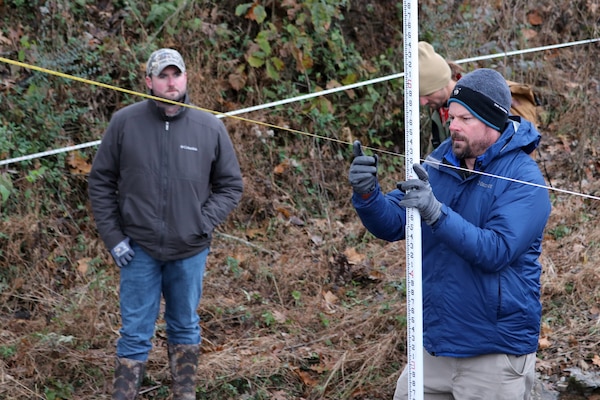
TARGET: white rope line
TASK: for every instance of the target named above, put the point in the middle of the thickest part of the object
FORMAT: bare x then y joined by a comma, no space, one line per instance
316,94
533,49
588,196
339,89
312,95
400,75
50,152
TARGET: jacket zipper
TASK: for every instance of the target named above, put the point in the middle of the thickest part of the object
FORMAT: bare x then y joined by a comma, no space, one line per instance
164,185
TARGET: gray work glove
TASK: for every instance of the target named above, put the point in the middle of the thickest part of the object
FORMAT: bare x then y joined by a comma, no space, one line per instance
419,195
363,171
122,253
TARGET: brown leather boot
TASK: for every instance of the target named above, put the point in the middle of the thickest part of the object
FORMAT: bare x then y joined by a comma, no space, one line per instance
183,360
128,378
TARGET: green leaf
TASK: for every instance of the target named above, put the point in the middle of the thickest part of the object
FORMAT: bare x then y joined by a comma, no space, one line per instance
263,42
350,79
260,13
6,187
242,9
278,63
255,61
5,193
272,71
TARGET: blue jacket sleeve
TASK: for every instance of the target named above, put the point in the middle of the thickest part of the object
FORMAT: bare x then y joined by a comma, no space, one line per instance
381,214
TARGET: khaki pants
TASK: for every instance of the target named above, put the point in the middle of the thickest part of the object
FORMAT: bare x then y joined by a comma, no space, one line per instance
487,377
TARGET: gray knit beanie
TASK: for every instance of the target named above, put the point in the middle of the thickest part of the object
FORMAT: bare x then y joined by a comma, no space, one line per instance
485,93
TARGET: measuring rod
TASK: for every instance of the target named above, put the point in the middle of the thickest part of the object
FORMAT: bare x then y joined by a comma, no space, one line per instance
414,301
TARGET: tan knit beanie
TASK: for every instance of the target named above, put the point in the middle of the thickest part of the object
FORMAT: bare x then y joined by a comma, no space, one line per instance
434,71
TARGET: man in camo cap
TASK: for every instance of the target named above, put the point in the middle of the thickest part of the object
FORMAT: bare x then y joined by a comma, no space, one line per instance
161,59
164,177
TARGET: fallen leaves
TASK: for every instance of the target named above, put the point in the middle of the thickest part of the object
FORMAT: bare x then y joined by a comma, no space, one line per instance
78,164
534,18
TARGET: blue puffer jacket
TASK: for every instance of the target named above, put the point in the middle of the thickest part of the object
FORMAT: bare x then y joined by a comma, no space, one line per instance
481,274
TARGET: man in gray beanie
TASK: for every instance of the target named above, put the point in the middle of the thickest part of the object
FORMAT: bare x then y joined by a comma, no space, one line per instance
437,78
486,95
483,210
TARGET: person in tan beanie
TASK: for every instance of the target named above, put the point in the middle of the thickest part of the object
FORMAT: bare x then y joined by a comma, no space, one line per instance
436,81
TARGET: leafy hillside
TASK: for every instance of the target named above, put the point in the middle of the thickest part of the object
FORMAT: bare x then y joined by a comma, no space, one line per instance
300,302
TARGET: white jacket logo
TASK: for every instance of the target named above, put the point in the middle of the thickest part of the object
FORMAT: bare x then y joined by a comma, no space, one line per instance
184,147
484,185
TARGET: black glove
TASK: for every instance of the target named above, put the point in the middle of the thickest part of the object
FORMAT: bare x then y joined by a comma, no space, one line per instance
122,253
419,195
363,171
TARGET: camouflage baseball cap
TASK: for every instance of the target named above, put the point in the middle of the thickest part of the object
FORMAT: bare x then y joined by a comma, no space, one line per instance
161,59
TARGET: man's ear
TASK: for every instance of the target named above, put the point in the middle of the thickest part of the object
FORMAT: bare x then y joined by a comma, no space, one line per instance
149,82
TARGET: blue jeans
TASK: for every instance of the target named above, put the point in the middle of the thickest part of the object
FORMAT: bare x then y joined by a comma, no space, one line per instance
143,281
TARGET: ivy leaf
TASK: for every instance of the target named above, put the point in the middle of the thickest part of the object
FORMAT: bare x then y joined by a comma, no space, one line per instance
6,187
263,42
272,71
242,9
5,193
278,63
256,61
254,12
260,14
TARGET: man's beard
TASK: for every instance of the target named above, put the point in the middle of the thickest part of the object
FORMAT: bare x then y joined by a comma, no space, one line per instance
467,149
180,99
462,152
168,103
